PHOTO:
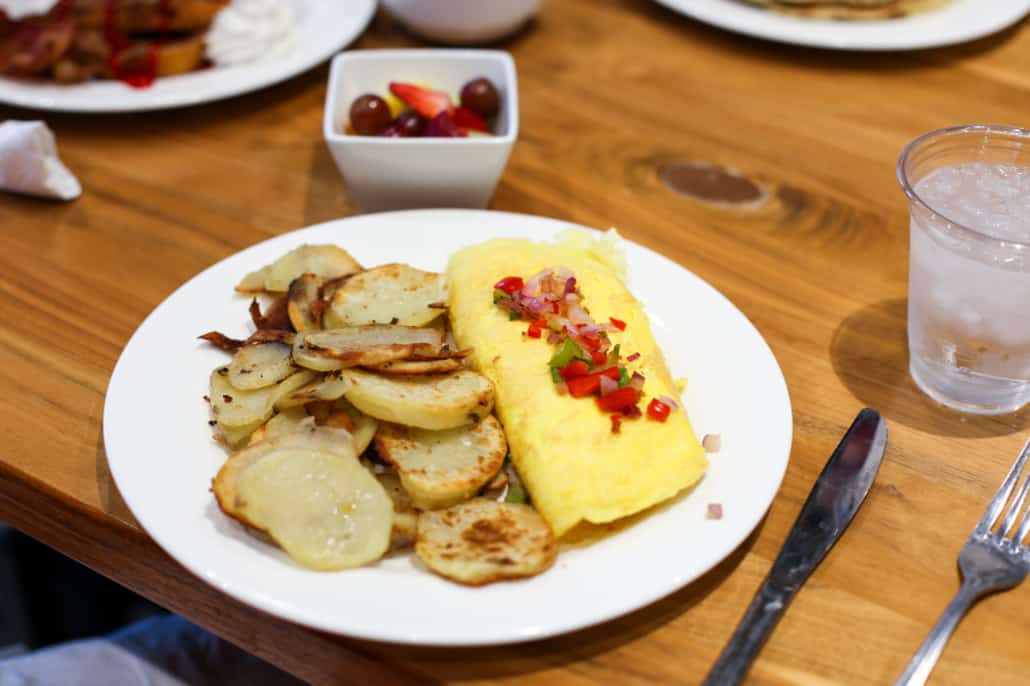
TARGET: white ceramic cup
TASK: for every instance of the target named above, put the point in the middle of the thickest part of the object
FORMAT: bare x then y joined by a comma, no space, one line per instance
463,21
407,173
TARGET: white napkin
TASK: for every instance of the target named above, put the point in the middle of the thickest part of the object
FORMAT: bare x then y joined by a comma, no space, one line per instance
19,9
29,162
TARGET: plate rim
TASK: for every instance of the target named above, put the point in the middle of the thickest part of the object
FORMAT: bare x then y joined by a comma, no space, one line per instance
850,35
290,612
152,103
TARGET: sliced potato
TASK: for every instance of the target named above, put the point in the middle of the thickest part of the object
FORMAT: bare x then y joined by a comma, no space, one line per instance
405,516
389,294
282,423
364,345
260,365
233,408
327,261
443,468
428,402
303,295
417,367
481,541
327,387
235,436
362,427
308,492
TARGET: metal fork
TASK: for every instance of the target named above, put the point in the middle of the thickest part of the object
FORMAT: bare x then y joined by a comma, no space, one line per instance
989,562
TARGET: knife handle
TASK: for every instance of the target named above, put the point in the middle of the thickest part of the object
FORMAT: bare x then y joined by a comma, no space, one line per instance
758,622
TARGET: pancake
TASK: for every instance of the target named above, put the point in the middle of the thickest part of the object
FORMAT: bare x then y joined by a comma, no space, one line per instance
575,468
851,9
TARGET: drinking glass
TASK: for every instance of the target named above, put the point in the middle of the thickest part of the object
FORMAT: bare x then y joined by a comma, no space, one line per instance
969,266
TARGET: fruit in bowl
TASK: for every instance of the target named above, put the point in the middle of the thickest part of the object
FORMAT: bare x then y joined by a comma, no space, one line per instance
419,111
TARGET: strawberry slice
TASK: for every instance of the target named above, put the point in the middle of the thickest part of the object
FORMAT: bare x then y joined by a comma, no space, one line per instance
426,102
467,119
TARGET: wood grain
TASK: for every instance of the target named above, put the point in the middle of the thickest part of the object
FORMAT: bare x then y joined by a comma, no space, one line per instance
610,90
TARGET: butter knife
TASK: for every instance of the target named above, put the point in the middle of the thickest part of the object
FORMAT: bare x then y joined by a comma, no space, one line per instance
833,502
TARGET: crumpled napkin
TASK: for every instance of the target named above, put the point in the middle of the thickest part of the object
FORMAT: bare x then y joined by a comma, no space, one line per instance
29,162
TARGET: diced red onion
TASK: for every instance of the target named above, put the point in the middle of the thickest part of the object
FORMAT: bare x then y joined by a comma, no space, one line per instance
714,511
534,305
571,298
633,358
637,381
712,443
570,286
608,385
590,331
554,338
577,315
669,401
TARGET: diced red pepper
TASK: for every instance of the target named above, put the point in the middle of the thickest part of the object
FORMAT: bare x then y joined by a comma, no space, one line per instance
599,357
554,308
510,284
590,343
536,328
616,423
618,399
582,386
617,323
658,410
574,369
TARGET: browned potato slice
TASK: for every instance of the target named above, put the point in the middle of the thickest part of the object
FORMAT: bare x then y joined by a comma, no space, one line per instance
362,345
260,365
390,294
235,408
362,427
405,516
308,492
327,261
443,468
303,295
418,367
429,402
482,541
282,423
328,387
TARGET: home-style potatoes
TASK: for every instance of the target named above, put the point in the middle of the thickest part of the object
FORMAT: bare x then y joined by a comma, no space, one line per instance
327,261
481,541
390,294
427,402
337,514
352,419
443,468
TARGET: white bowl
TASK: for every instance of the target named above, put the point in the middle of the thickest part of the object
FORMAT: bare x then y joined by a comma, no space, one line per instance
463,21
405,173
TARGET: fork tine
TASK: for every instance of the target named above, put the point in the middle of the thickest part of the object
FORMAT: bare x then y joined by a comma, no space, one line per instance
1023,530
1010,520
994,509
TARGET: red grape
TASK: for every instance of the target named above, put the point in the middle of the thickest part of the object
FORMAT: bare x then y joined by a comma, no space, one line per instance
410,124
480,96
369,115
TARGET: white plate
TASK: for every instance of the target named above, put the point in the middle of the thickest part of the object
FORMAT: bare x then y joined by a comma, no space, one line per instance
962,21
323,27
163,459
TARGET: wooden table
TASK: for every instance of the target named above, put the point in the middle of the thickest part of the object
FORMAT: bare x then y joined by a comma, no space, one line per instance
610,90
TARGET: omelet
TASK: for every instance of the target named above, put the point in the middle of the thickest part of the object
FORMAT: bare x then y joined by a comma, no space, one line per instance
574,466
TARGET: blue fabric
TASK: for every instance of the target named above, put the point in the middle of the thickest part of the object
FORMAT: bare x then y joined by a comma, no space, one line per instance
161,651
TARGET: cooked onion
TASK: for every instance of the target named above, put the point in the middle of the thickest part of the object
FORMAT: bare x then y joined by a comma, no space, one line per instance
712,443
714,511
669,401
608,385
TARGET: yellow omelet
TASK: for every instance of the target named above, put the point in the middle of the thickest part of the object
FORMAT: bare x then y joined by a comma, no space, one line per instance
574,467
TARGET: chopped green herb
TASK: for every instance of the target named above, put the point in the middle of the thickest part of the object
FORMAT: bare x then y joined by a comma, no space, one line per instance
516,494
512,316
613,356
499,295
623,377
568,352
555,376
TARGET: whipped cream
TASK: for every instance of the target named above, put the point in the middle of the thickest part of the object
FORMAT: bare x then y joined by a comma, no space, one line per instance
17,10
250,31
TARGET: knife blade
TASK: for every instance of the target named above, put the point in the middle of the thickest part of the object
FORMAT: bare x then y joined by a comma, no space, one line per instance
831,505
